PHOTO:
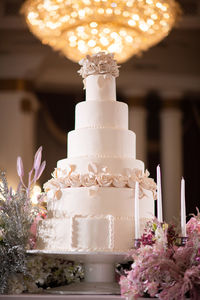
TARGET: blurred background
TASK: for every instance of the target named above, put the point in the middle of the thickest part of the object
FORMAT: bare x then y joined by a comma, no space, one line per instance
39,89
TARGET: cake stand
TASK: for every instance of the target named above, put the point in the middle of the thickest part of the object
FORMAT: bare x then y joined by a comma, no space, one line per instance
99,272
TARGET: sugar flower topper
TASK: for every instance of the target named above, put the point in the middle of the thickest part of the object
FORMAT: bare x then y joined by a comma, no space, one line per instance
100,63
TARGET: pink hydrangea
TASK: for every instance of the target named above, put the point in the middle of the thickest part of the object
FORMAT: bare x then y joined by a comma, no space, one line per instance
163,269
193,225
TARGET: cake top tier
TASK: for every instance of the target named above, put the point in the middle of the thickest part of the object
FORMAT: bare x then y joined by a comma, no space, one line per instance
100,63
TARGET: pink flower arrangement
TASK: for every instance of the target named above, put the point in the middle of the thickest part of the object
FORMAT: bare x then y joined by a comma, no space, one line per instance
161,268
193,225
154,231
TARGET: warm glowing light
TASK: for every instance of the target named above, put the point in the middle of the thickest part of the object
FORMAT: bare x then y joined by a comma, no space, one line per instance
117,11
126,14
97,49
76,27
101,11
35,193
109,11
114,4
135,17
122,32
149,1
80,29
154,16
91,43
129,39
114,35
94,31
131,22
72,38
150,22
104,41
143,26
93,24
166,16
81,13
106,30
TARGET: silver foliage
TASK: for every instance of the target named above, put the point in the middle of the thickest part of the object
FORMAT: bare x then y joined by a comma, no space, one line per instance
16,216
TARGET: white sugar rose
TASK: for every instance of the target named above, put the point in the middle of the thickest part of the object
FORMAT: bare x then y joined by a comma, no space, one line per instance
55,173
52,184
64,182
88,179
131,181
75,180
119,181
100,63
149,184
141,192
54,194
133,176
103,67
91,69
58,194
104,179
139,173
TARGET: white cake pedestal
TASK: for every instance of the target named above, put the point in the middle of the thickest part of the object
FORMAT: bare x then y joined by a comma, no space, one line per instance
99,272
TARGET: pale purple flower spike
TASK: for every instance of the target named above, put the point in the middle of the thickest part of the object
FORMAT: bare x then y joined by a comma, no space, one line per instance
37,170
20,168
37,159
40,170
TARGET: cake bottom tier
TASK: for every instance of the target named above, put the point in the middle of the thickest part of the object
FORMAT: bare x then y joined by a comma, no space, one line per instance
99,221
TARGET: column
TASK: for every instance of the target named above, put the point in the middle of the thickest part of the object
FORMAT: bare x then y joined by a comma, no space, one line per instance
171,154
137,123
17,127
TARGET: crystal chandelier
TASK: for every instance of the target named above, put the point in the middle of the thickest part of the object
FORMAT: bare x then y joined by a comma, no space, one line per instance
77,28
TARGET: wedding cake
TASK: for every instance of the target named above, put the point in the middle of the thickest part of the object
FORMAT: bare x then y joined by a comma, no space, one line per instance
90,198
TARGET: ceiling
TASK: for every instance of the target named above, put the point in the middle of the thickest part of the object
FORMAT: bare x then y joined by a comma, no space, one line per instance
172,65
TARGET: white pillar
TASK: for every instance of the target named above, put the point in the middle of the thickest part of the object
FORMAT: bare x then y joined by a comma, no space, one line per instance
171,154
137,123
17,131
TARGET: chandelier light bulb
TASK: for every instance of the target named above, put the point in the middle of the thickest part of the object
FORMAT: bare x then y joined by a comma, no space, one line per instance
77,28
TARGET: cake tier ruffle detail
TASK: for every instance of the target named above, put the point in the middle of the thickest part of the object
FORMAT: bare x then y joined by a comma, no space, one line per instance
98,177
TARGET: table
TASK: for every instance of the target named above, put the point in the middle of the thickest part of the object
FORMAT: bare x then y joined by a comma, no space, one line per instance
61,297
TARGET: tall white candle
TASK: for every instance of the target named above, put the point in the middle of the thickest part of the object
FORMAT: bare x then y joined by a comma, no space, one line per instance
137,217
183,211
159,196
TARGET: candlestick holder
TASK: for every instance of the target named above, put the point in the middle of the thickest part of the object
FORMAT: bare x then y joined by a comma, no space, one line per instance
182,240
137,243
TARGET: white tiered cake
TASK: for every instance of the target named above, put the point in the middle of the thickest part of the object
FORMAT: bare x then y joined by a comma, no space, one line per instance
91,194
